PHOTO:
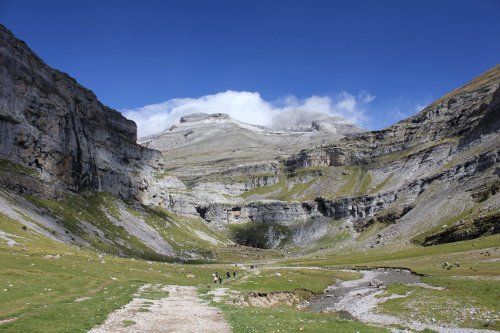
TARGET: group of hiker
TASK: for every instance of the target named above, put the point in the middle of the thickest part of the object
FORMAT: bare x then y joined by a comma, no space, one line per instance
218,278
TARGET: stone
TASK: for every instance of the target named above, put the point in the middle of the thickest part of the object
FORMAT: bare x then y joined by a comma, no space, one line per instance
376,283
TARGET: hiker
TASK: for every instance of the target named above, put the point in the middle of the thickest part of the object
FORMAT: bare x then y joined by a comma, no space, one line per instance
228,275
234,275
215,277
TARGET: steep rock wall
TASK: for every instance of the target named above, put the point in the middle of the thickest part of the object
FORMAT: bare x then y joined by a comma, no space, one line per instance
50,123
467,112
357,210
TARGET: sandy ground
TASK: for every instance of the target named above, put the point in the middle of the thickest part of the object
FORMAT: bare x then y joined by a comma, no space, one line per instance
358,299
181,312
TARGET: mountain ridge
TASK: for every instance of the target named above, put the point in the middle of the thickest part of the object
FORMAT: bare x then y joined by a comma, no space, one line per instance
234,182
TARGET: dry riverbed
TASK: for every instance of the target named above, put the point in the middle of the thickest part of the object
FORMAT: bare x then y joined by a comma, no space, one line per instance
358,299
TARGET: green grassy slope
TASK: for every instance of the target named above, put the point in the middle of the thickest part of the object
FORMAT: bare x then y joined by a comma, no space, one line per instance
98,209
48,286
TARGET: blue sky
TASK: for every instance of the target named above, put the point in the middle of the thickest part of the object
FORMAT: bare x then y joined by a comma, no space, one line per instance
136,53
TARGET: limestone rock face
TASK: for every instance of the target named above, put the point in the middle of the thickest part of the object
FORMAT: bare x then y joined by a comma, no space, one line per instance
468,112
325,178
193,117
52,124
409,177
202,144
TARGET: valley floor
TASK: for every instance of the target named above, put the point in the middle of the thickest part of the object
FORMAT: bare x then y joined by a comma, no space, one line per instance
48,286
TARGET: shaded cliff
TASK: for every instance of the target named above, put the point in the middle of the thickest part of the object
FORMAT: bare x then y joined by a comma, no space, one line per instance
54,126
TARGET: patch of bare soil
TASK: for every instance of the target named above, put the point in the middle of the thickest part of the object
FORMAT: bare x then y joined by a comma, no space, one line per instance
8,320
270,299
259,299
181,312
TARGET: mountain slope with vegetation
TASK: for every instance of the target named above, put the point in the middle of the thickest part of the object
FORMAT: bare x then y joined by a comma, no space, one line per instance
304,190
433,171
91,221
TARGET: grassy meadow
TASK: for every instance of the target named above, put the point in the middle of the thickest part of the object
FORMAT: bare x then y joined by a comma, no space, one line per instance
48,286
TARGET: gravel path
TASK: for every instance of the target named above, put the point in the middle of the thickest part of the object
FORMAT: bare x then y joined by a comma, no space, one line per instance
181,312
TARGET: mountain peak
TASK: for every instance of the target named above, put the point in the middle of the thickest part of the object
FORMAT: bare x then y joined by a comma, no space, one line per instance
193,117
307,121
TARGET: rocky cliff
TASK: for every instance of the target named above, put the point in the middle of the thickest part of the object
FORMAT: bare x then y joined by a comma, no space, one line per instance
403,181
330,186
59,147
57,128
465,113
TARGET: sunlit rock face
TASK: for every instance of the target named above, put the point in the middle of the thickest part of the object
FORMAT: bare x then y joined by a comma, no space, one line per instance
312,179
409,177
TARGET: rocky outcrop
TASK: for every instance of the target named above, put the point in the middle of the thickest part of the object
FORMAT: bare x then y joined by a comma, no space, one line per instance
259,181
53,125
464,230
246,176
193,117
357,210
467,112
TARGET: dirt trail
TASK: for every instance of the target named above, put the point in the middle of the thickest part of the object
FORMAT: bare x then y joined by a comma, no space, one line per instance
181,312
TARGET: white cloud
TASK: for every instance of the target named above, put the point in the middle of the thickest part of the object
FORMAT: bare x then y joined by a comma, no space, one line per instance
366,97
248,107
